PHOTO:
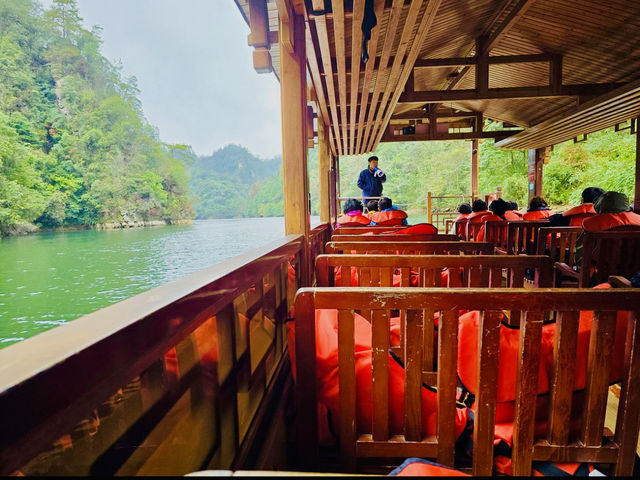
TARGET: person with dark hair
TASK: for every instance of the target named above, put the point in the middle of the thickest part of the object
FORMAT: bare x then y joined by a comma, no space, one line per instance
512,214
576,215
372,207
478,210
612,210
498,208
389,214
371,179
538,209
460,222
353,216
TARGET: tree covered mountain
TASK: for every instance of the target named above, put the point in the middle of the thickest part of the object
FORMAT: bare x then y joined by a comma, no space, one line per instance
75,148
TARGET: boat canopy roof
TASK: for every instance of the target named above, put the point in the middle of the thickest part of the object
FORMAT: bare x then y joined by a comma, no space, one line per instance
437,69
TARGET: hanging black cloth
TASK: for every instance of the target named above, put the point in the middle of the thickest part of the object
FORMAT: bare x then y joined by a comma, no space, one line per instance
368,22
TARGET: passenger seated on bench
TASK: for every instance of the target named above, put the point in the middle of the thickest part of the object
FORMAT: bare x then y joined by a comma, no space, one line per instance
372,207
353,216
389,214
478,210
612,210
464,210
574,216
538,209
498,209
512,214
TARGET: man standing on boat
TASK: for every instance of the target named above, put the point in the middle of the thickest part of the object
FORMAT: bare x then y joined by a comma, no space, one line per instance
371,179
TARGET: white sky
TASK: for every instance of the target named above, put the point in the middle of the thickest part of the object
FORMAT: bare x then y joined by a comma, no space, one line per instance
194,70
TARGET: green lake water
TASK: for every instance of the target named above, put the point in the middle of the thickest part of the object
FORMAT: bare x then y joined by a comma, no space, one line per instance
52,278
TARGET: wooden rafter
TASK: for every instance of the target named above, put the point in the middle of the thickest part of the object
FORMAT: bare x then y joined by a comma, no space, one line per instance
411,20
368,74
424,27
339,39
356,54
417,137
394,19
325,53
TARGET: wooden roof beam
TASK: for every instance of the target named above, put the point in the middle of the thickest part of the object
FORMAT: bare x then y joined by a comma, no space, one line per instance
424,116
439,96
356,55
497,60
496,134
340,52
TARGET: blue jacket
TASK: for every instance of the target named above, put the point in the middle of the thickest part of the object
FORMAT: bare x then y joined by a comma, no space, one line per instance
371,186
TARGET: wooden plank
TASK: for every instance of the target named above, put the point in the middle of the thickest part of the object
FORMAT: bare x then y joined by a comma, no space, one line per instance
413,376
316,79
628,419
392,25
380,365
577,452
636,198
306,393
347,385
418,39
396,447
512,18
428,341
526,389
494,60
447,381
324,168
368,75
564,366
487,375
340,51
356,55
597,381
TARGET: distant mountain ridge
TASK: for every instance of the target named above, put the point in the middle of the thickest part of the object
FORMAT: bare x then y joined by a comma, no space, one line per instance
228,181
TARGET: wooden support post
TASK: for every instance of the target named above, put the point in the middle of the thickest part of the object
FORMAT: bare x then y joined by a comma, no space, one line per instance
433,122
534,174
482,66
293,94
335,213
338,209
636,200
324,170
429,206
474,168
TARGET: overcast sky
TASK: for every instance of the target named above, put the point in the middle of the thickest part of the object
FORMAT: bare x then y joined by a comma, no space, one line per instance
194,70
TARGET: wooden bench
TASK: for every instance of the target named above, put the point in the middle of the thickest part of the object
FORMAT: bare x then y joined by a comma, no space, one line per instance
476,270
460,228
559,243
522,237
365,229
496,233
603,253
438,237
418,303
416,248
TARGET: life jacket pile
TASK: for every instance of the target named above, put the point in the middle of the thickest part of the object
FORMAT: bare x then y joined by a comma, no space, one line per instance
327,376
579,213
506,383
353,220
607,221
537,215
390,217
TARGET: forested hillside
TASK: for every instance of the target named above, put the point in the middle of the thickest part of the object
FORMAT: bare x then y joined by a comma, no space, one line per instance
75,148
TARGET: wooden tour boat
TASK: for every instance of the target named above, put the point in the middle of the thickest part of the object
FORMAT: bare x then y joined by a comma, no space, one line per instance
197,374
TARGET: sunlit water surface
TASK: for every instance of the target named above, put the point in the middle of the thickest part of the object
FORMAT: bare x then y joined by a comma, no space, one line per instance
52,278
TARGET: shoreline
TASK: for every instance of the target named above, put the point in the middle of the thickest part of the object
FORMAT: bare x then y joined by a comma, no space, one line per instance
23,230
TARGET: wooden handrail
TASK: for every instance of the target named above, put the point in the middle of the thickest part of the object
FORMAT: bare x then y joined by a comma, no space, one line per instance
52,381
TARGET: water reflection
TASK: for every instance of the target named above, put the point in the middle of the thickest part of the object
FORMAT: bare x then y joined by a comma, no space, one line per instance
50,279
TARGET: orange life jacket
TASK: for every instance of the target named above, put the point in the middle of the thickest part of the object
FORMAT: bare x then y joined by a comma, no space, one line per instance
537,215
607,221
476,217
579,213
419,467
390,217
327,376
513,215
461,224
353,220
420,228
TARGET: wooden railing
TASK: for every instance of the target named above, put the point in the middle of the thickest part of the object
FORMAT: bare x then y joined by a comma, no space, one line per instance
174,380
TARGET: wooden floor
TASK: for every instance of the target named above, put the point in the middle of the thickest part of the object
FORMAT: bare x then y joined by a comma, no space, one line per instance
612,408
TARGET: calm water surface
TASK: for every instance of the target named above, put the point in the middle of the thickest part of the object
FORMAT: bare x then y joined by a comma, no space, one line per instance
50,279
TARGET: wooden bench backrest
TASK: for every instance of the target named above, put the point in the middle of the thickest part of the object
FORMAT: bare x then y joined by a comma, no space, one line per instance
460,228
496,233
472,230
417,304
476,270
609,253
366,229
438,237
522,237
562,243
416,248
